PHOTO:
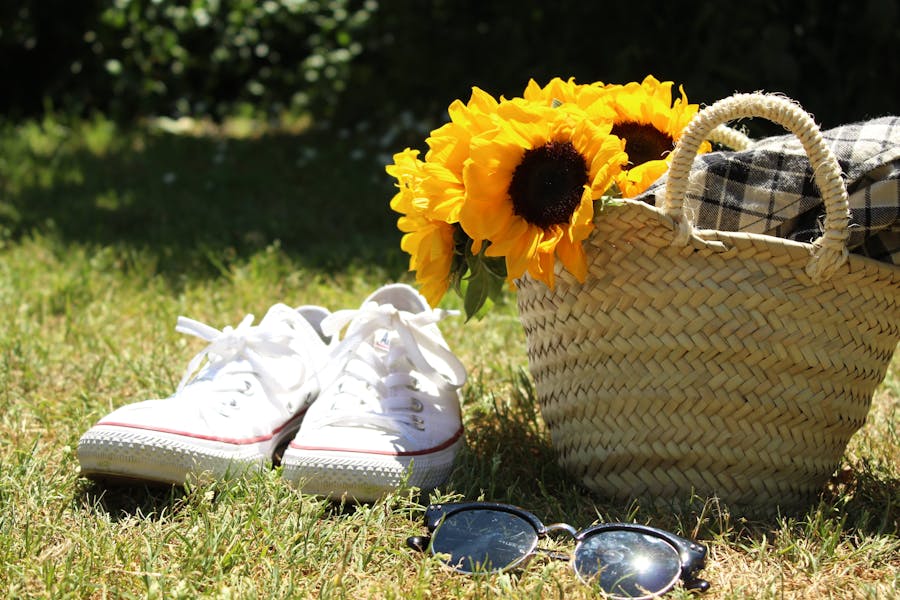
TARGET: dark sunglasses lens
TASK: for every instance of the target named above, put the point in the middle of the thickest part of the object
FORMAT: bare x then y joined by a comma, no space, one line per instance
628,564
480,541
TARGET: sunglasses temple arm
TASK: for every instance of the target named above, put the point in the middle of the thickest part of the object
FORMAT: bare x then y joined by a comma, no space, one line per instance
695,584
689,568
418,542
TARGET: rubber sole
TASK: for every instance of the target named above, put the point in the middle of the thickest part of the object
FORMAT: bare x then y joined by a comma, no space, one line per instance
365,477
116,451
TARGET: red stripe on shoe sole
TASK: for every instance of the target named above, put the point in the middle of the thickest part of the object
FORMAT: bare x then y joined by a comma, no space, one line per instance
443,446
211,438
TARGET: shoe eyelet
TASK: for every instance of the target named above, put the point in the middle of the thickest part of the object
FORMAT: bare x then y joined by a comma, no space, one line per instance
418,422
416,405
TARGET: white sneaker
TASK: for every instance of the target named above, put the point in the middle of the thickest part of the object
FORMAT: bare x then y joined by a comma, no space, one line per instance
392,414
240,398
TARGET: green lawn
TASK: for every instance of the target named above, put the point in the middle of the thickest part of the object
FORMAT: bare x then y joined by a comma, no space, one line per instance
107,235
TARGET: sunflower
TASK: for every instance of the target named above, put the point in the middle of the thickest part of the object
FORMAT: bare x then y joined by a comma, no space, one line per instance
508,186
530,182
427,236
651,124
431,193
643,114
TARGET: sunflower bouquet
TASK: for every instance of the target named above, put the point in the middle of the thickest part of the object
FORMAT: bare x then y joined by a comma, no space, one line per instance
508,186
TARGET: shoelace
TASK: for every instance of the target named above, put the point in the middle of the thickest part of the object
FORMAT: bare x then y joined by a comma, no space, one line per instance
397,398
253,343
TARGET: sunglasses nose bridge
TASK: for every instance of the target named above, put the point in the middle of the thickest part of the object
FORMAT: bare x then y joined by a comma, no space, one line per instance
554,527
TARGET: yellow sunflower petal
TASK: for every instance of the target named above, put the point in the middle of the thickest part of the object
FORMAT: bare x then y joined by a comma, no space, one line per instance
606,153
486,178
431,254
542,268
573,258
582,222
428,241
449,144
520,253
634,182
407,170
444,190
558,91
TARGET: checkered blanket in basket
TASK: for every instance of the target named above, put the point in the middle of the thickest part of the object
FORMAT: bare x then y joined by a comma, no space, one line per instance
768,188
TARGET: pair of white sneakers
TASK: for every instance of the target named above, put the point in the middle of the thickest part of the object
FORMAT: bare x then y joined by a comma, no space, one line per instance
361,402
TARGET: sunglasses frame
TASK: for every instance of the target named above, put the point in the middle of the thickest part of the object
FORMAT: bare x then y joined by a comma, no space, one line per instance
692,555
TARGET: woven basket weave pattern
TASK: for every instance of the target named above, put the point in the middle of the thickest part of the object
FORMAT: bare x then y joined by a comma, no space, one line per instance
718,368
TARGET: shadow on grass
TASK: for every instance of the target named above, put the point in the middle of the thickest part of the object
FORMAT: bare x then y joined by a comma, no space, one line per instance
509,458
121,501
195,204
867,502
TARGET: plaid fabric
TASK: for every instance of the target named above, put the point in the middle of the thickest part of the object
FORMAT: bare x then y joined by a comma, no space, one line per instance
768,188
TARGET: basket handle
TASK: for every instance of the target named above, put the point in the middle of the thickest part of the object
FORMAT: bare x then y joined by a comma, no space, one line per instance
731,138
830,250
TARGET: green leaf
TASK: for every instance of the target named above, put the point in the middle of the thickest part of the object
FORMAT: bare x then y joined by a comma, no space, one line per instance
477,278
612,197
478,289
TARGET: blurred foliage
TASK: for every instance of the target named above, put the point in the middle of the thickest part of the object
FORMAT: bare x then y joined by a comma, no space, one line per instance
193,204
399,63
838,59
196,57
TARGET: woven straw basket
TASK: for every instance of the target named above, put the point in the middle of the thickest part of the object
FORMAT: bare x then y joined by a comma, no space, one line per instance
709,362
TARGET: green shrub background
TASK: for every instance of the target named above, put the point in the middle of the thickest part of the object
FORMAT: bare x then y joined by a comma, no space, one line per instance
398,62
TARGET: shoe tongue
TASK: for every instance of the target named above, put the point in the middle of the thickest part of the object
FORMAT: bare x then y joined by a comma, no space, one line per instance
382,341
283,370
211,371
279,313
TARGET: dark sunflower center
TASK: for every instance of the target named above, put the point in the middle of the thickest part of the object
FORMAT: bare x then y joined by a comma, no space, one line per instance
643,143
548,184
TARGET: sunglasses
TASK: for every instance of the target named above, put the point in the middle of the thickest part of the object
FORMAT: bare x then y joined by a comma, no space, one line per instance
620,560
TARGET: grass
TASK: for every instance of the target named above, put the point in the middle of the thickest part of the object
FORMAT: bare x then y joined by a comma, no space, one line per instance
109,234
